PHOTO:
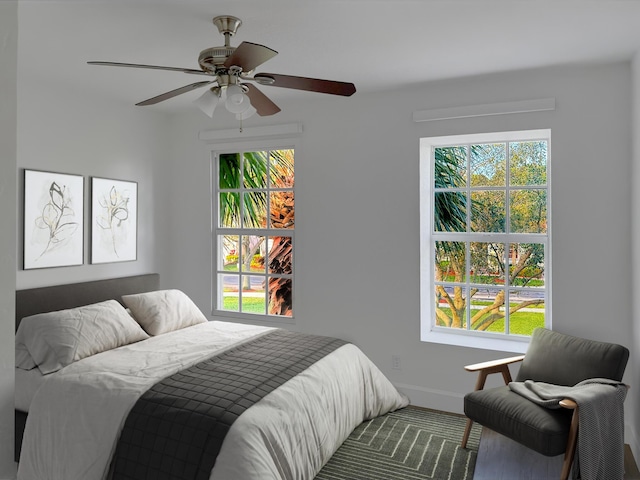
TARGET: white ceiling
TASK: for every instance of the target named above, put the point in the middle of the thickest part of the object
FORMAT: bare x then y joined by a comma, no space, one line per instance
377,45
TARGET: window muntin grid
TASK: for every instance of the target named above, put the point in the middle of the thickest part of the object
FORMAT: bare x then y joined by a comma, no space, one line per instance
254,232
490,247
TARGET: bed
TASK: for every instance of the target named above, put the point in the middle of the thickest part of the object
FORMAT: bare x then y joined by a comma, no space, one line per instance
103,414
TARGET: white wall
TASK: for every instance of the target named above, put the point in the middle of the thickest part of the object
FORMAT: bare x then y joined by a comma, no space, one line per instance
635,179
8,114
357,225
69,128
77,133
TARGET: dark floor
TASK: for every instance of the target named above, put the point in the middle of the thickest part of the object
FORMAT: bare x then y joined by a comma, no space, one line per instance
500,458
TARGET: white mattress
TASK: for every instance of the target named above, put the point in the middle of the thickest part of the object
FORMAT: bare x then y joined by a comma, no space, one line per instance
76,415
27,384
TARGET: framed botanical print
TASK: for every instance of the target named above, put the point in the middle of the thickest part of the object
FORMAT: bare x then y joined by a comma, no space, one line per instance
53,219
114,220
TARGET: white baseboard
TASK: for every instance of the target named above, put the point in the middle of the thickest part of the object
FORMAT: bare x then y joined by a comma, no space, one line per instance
432,398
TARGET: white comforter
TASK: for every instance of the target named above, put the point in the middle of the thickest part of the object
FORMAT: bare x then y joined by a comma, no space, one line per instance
76,416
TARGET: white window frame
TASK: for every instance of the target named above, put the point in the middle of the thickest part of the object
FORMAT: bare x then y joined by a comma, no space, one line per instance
470,338
216,294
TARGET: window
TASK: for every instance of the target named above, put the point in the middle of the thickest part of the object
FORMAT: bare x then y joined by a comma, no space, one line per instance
485,256
254,232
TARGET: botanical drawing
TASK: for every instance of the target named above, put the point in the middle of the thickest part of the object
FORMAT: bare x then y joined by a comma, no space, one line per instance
53,219
114,205
58,218
115,210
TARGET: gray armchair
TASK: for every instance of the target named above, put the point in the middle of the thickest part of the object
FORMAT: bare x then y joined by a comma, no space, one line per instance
551,358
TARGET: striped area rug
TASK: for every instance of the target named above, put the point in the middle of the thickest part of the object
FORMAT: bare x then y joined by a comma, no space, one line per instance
409,444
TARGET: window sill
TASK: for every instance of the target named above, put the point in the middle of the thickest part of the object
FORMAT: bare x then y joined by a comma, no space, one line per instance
253,319
484,341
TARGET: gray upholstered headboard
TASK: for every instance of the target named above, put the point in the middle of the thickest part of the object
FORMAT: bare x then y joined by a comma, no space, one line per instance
59,297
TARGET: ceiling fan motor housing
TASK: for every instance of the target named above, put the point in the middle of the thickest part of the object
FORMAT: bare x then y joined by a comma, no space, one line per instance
213,58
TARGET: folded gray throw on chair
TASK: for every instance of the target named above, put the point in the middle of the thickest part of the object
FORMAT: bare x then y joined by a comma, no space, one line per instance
600,451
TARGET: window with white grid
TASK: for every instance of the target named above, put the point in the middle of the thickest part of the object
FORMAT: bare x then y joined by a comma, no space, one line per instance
485,236
254,230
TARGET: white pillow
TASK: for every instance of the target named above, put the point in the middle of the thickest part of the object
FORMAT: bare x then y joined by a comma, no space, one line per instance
55,339
23,357
163,311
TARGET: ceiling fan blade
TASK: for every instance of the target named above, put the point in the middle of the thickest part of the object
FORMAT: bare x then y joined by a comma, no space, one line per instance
153,67
263,105
173,93
249,55
303,83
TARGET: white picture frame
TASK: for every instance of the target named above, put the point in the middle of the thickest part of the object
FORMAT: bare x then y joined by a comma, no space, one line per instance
114,220
53,219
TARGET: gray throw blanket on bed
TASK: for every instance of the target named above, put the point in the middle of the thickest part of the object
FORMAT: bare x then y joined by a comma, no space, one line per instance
176,429
600,451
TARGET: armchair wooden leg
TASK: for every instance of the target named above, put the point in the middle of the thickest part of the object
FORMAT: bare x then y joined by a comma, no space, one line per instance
467,432
571,446
482,378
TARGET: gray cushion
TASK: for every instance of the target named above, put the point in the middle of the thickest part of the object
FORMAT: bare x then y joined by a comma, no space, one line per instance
541,429
560,359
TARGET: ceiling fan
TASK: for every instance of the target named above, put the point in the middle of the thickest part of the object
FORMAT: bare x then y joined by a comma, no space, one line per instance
230,68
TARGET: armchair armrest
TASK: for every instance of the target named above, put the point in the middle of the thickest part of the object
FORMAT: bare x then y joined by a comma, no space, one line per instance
571,405
493,364
568,404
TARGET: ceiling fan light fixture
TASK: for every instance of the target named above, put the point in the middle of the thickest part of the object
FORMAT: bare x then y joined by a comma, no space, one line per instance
208,101
237,102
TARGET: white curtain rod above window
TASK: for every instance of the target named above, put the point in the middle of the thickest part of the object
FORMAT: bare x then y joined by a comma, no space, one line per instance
503,108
